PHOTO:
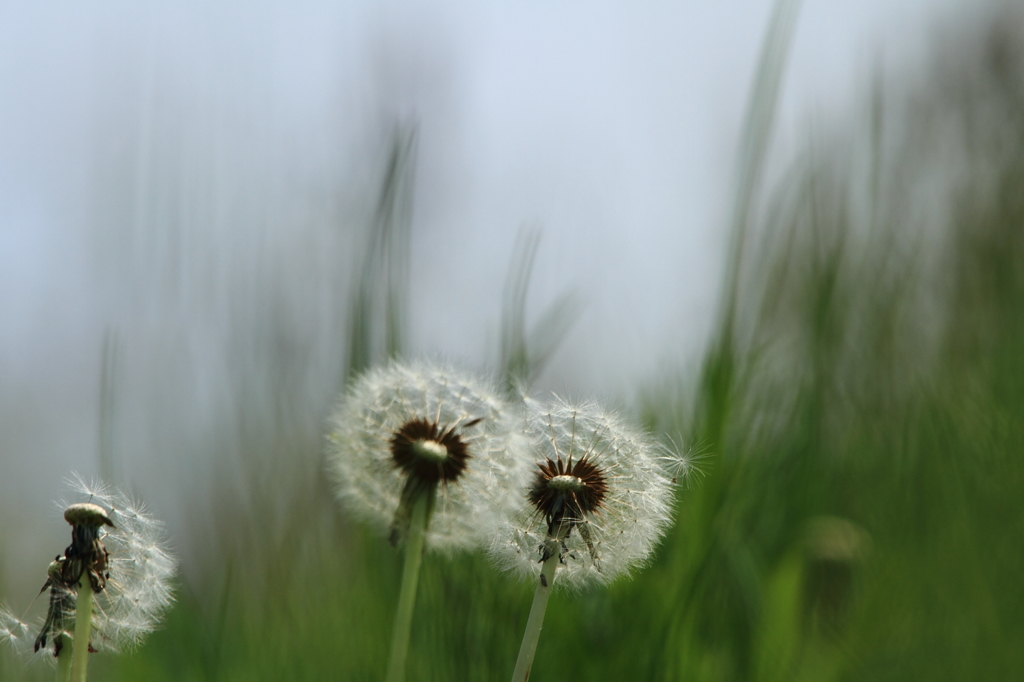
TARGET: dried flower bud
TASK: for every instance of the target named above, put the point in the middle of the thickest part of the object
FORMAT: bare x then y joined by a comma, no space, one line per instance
86,555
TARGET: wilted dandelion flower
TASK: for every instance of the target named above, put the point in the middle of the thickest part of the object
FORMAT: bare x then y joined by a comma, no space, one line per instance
86,557
405,430
598,497
117,552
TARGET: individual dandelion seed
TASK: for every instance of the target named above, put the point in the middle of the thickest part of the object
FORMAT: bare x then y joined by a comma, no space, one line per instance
421,428
683,466
433,455
116,570
16,632
596,505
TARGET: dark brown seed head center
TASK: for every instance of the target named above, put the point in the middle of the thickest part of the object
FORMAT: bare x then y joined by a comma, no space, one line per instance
567,491
421,449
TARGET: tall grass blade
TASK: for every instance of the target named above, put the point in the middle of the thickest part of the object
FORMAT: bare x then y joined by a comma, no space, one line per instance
377,309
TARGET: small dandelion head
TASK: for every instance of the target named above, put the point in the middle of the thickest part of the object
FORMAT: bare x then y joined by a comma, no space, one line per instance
407,429
117,551
598,497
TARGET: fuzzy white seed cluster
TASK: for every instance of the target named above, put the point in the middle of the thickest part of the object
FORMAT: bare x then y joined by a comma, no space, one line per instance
525,479
137,590
443,405
623,496
18,634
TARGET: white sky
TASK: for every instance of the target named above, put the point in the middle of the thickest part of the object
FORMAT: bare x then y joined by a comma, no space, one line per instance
613,126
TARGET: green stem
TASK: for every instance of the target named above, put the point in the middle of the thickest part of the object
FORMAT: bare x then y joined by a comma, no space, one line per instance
83,626
532,634
410,578
64,658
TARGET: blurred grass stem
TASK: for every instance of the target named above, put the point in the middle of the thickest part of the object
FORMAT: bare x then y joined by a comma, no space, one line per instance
754,143
83,626
532,634
407,596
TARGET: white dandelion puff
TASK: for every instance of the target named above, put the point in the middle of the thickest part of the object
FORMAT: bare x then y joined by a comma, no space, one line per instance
431,453
599,497
597,504
406,429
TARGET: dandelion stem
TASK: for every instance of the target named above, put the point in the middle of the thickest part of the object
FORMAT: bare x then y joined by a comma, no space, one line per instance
64,658
83,625
410,578
532,634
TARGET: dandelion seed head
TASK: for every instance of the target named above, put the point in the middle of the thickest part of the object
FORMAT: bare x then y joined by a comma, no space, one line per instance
598,496
434,425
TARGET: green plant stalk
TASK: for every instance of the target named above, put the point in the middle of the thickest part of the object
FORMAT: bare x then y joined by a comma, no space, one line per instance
83,627
407,596
64,658
533,624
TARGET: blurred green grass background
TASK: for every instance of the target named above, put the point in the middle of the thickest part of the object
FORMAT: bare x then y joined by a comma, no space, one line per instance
859,416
